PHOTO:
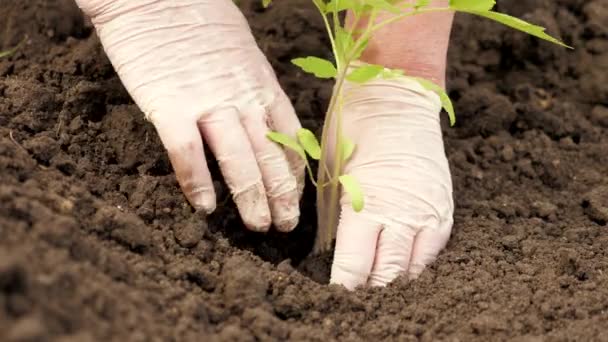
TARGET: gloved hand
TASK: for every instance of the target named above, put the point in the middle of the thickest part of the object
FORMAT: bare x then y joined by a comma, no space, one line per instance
196,72
401,164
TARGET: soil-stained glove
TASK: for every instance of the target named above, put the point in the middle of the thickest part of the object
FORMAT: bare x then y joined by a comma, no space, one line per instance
403,170
195,70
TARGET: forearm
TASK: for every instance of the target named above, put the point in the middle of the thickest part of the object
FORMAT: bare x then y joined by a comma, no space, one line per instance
417,44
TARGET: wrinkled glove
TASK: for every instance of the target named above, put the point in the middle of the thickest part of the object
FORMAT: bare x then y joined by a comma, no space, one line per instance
401,164
196,72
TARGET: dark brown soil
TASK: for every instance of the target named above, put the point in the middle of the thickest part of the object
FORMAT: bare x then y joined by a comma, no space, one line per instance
97,243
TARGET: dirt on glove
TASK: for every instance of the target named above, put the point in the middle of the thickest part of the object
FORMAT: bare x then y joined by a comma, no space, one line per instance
97,243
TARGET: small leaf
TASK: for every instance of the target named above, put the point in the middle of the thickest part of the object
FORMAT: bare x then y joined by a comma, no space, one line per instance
321,5
422,3
340,5
348,147
446,103
364,73
392,73
265,3
321,68
472,5
353,189
383,5
309,142
287,141
519,24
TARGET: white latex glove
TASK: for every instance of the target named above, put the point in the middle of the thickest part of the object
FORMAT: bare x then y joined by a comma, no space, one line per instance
195,70
401,165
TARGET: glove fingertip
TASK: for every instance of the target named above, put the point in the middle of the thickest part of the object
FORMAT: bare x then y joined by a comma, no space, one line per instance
427,246
355,252
203,200
343,275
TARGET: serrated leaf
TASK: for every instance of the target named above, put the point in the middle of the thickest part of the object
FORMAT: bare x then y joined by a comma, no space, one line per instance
521,25
321,68
287,141
472,5
353,189
309,142
348,147
446,103
364,73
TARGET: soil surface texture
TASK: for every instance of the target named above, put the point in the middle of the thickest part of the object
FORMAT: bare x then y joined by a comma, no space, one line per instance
97,242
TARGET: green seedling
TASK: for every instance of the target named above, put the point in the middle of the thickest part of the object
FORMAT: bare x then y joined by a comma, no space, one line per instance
11,50
7,52
347,45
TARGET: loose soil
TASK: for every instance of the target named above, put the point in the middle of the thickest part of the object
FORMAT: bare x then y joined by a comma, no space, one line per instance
97,243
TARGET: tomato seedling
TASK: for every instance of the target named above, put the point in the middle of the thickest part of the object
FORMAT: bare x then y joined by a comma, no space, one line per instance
347,45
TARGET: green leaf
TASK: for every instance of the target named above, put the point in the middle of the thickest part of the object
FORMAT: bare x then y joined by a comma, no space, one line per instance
422,3
483,8
265,3
348,147
472,5
321,68
392,73
309,142
383,5
519,24
445,99
287,141
344,43
341,5
365,73
321,5
353,189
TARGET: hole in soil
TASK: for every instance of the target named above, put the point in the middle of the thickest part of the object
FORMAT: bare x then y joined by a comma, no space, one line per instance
582,276
276,247
586,205
161,167
515,128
